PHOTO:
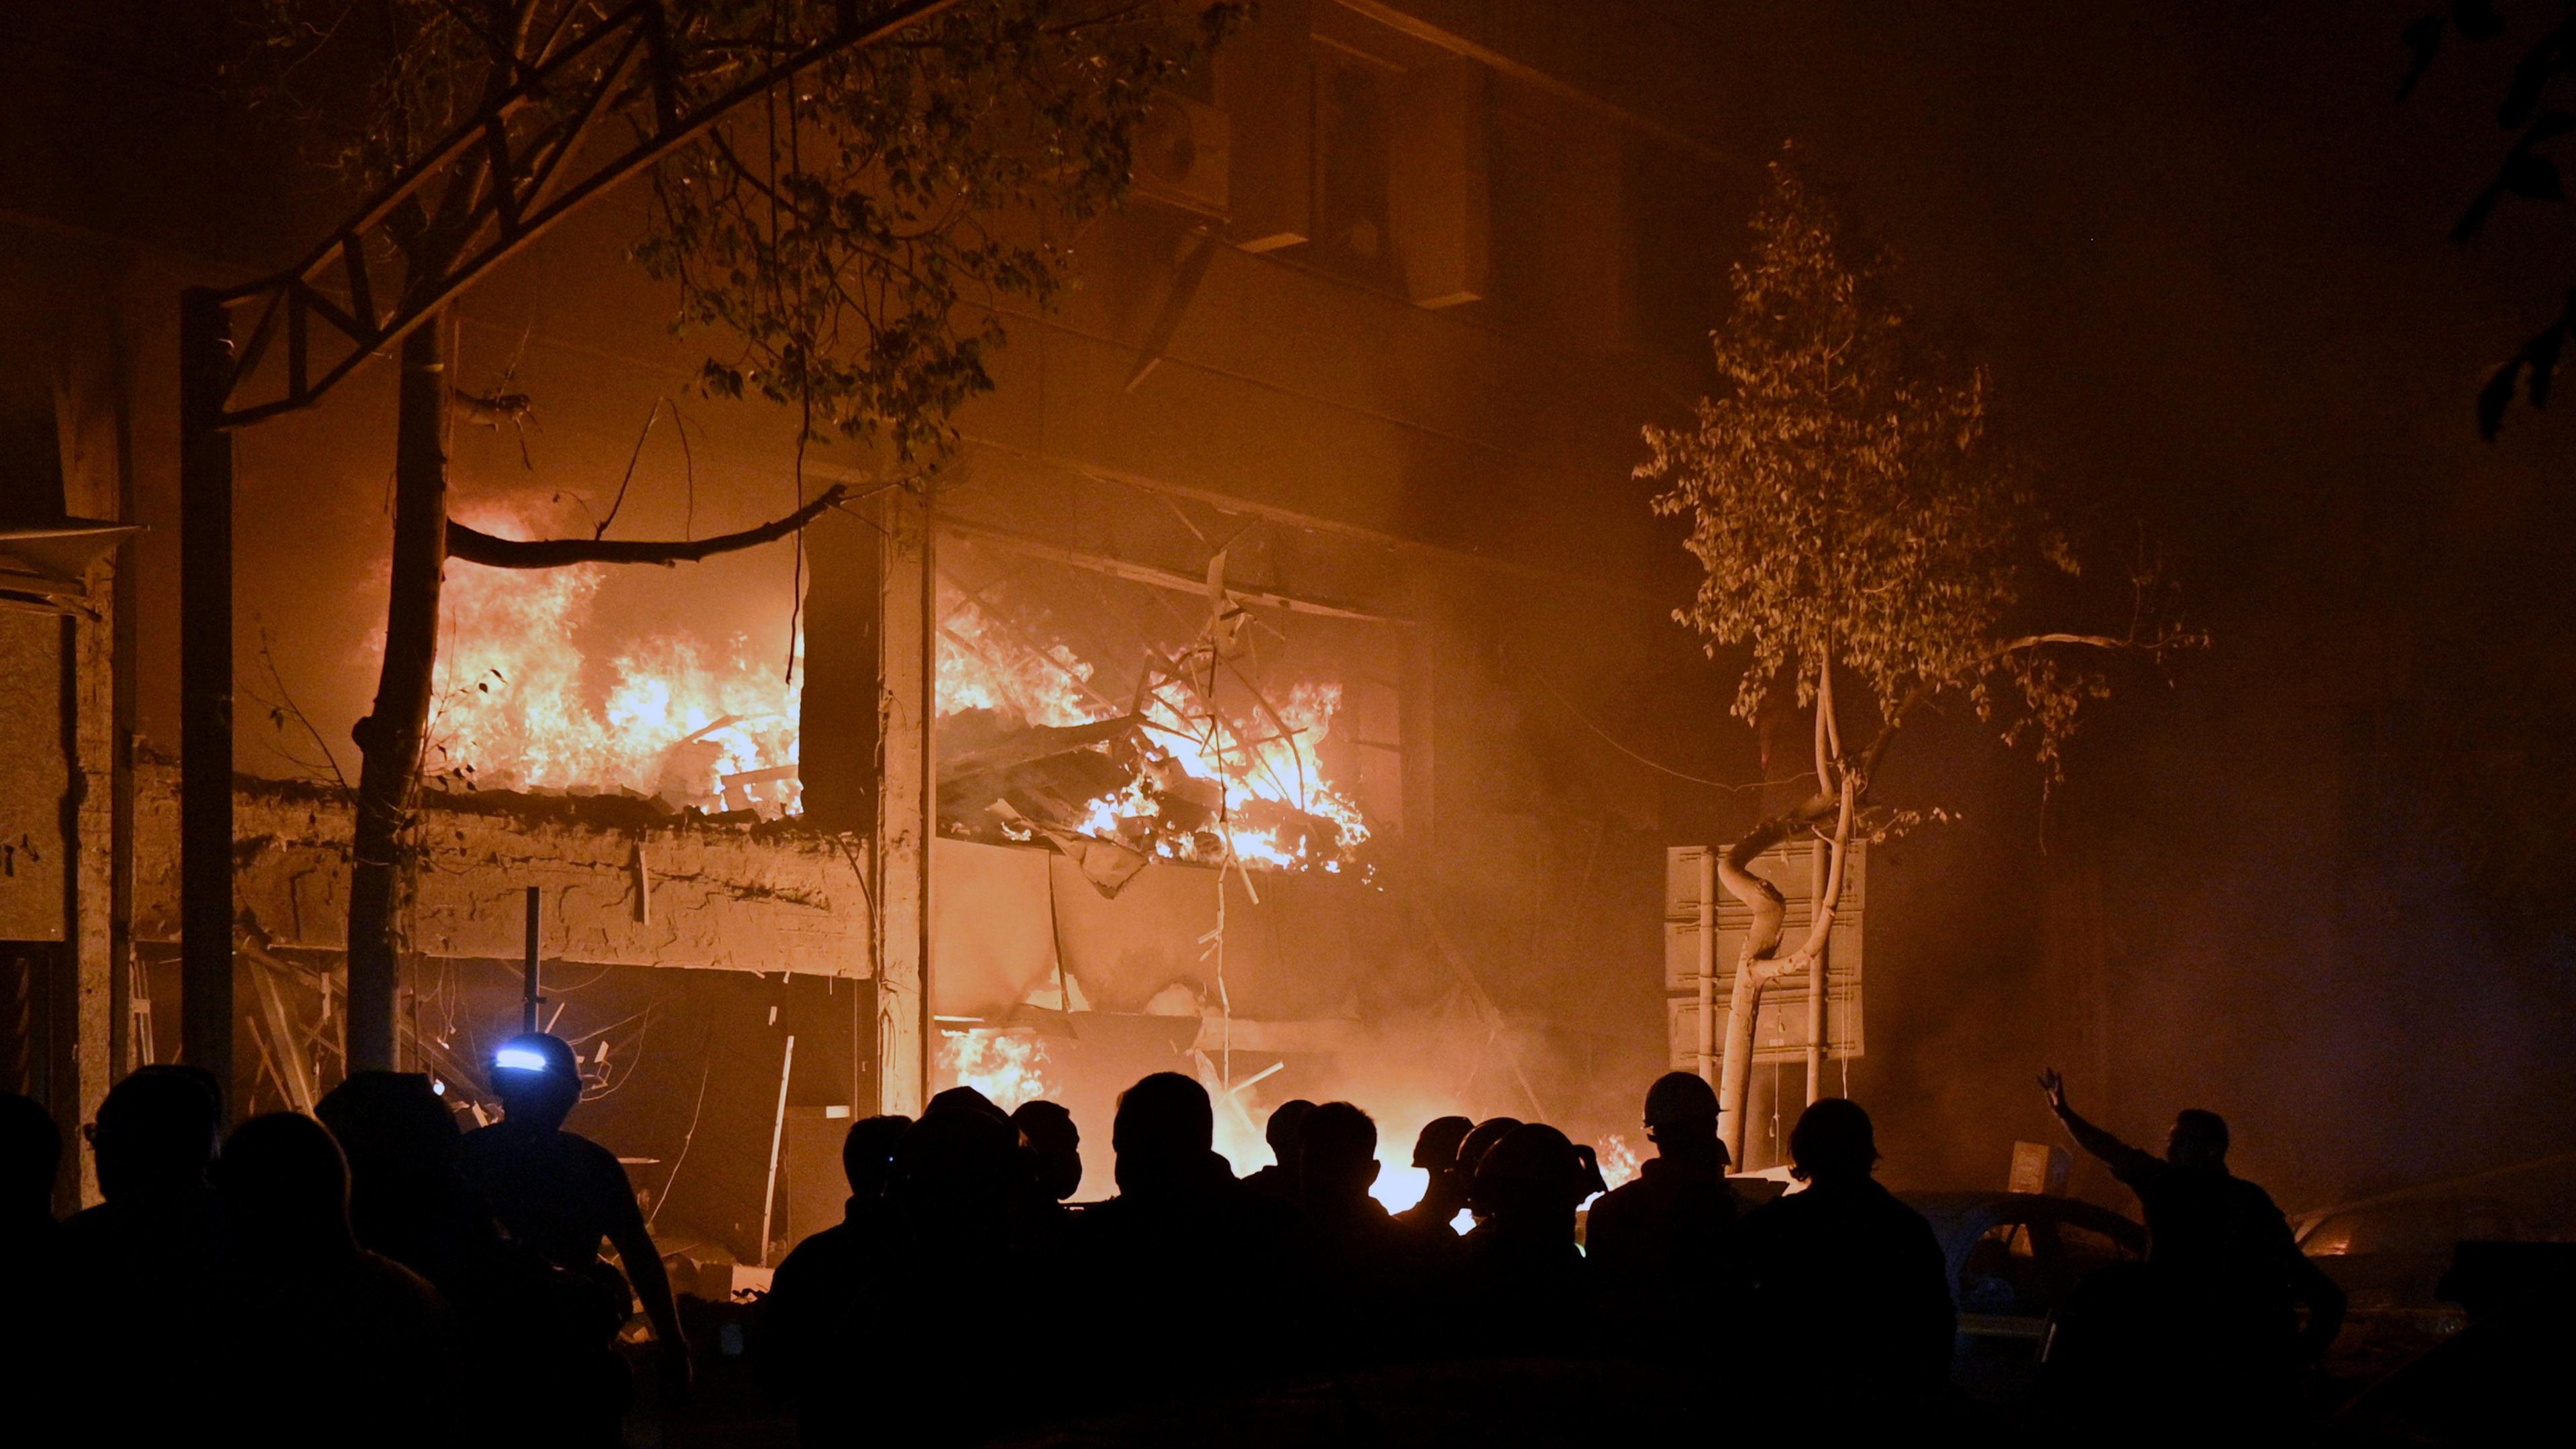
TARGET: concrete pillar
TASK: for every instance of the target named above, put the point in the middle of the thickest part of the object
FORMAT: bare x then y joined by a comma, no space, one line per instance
837,709
91,396
906,806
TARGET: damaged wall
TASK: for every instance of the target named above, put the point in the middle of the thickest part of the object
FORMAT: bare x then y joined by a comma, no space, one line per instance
626,881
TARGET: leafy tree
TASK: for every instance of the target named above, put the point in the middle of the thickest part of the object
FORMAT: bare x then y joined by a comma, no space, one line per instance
2537,113
841,242
1870,545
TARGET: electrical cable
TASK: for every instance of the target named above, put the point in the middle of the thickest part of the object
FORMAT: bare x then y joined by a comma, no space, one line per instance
1651,764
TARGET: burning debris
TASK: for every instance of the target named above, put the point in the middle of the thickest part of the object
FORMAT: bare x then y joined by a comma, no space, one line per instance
1176,770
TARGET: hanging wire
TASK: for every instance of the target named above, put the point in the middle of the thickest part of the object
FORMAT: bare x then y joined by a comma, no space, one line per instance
1775,1107
686,1138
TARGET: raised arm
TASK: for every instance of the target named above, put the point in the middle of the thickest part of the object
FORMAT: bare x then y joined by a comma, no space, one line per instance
643,1263
2122,1157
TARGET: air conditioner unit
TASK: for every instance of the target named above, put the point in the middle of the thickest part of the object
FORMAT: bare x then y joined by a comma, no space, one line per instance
1181,155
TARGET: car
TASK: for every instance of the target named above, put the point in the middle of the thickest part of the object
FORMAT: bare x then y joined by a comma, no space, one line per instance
2389,1257
2013,1259
2490,1382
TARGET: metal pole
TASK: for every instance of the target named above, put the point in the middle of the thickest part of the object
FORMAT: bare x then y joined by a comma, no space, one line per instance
528,994
1819,869
205,689
926,710
1708,965
777,1135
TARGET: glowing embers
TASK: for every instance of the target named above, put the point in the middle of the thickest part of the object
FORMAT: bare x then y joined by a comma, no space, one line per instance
1192,761
519,706
1006,1066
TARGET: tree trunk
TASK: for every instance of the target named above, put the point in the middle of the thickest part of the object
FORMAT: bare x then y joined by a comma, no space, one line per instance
1735,1065
390,738
1837,794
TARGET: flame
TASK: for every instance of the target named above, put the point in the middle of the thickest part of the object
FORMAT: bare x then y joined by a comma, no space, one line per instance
518,706
983,665
1265,759
1618,1163
1007,1066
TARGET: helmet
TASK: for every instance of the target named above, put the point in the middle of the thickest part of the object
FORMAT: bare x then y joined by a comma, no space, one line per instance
1678,1097
537,1054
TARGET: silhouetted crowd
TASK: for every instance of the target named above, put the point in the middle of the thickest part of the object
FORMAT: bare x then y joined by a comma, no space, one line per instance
377,1276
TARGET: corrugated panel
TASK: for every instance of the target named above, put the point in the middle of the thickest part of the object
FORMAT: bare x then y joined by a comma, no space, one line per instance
1780,1030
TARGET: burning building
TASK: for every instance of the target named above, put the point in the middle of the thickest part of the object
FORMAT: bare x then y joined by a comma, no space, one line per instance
1214,708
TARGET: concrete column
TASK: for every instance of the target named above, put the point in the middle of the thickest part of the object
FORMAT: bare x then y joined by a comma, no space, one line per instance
905,798
89,402
837,708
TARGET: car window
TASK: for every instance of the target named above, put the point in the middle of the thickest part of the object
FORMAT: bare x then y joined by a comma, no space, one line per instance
2085,1251
2001,1273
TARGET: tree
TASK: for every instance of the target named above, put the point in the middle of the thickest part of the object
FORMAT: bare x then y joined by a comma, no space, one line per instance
2537,114
845,241
1861,531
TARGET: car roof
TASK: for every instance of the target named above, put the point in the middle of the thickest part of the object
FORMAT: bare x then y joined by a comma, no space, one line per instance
1952,1210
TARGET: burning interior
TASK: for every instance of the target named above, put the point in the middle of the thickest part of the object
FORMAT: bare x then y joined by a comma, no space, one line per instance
1176,806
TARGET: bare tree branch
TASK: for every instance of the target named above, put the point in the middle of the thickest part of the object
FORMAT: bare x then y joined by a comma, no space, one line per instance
475,546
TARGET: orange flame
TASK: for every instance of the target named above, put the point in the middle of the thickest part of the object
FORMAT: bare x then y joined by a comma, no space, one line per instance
1618,1160
518,706
1006,1066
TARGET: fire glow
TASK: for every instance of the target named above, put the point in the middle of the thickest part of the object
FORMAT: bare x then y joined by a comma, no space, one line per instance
1008,1067
519,706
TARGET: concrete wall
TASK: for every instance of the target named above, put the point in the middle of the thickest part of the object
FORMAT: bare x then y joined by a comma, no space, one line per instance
624,883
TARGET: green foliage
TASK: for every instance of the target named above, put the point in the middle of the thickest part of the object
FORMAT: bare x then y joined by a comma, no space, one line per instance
857,233
849,237
2537,115
1847,501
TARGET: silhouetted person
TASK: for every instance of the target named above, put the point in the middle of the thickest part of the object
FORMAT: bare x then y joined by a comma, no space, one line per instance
1370,1267
408,1198
148,1260
1179,1228
561,1194
1522,1289
31,1157
2223,1272
1435,1151
1056,1145
31,1284
1472,1150
867,1163
807,1331
967,1098
1662,1246
936,1253
1279,1179
531,1326
1850,1288
327,1342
